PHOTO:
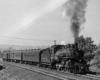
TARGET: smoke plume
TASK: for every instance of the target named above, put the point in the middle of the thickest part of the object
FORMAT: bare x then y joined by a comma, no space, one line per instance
75,10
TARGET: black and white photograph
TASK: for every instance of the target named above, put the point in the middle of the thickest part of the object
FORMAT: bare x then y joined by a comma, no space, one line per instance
49,40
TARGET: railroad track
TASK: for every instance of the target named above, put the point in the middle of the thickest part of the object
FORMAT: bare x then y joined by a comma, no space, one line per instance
52,74
57,74
94,77
88,76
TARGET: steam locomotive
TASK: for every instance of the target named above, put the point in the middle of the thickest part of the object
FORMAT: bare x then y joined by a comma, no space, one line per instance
61,57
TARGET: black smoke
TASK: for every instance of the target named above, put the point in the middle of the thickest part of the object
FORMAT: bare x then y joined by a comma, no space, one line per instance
75,11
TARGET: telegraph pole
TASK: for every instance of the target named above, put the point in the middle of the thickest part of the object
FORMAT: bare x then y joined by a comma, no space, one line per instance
54,42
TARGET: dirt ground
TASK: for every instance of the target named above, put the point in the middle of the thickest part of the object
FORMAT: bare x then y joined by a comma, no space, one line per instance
16,73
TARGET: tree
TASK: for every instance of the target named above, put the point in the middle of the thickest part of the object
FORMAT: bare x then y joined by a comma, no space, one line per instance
87,45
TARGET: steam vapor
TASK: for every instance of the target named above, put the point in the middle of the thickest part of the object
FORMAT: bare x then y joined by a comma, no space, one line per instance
75,10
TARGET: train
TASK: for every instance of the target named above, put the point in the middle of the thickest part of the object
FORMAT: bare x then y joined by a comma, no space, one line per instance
59,57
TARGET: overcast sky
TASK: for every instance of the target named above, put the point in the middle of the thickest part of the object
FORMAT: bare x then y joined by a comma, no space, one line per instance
42,19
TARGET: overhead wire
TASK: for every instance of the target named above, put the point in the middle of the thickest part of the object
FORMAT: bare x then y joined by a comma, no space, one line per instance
26,38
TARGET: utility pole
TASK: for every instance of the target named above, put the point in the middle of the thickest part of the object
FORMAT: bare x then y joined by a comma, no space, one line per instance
54,42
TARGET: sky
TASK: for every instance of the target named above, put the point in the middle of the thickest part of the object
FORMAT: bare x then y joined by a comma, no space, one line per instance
42,21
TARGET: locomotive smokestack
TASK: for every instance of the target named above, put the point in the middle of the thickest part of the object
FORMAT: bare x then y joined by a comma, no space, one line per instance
76,42
76,45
